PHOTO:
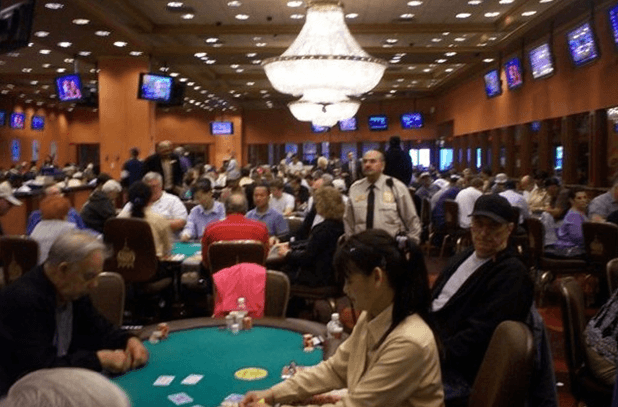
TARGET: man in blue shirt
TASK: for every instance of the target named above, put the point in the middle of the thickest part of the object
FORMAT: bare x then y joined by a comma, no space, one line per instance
35,216
275,222
205,213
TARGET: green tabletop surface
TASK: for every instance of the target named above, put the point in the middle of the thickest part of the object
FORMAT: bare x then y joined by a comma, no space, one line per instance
187,248
217,354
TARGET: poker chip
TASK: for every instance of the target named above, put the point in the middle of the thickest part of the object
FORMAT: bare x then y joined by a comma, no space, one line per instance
251,373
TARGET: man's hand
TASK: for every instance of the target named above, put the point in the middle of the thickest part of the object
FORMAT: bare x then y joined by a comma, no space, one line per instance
137,351
253,398
116,361
184,237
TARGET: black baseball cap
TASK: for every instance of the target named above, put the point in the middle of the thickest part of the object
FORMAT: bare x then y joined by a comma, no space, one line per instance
495,207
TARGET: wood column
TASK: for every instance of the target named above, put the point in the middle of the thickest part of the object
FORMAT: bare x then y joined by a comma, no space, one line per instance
495,150
598,149
525,150
544,147
568,138
484,144
509,144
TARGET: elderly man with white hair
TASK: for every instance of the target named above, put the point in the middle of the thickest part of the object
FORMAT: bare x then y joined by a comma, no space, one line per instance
100,205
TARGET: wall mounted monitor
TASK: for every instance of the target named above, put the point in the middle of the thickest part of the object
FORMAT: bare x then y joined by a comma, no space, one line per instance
221,128
493,84
37,123
154,87
412,120
319,129
69,88
18,120
15,150
413,156
2,117
558,158
613,23
583,46
446,159
541,61
350,124
514,73
424,157
479,161
378,122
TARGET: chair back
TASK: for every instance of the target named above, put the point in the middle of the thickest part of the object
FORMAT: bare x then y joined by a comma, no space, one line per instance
601,242
504,376
134,255
425,212
18,254
227,253
536,232
277,294
612,275
108,296
294,224
451,214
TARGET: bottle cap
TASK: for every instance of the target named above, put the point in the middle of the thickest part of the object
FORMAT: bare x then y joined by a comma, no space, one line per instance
334,316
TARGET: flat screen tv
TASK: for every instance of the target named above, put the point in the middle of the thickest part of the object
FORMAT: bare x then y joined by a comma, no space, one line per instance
558,158
16,26
69,88
319,129
37,123
413,156
613,23
583,46
478,158
446,158
350,124
514,73
493,84
378,122
154,87
221,128
18,120
2,117
541,61
413,120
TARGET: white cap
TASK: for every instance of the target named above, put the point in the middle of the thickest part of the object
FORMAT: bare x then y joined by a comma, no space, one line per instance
6,192
501,178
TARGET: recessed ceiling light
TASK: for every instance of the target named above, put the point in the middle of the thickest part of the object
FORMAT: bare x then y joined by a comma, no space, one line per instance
45,51
441,61
463,15
506,1
211,40
297,16
234,66
241,16
190,83
13,54
69,60
120,44
414,3
81,21
387,46
41,34
488,60
46,66
234,3
183,79
211,61
26,70
474,2
240,70
250,83
260,44
217,45
64,44
492,14
256,61
34,82
175,4
528,13
460,39
392,40
449,70
406,16
187,16
200,54
5,91
197,87
546,1
427,70
351,15
61,70
84,53
450,54
174,74
251,54
436,39
295,3
54,6
102,33
395,61
445,33
135,53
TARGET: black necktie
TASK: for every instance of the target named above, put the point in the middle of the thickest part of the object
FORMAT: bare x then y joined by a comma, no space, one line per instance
370,204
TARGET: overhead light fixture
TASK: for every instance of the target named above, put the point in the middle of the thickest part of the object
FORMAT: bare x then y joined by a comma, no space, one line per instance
234,3
81,21
528,13
297,16
241,16
84,53
325,66
251,54
488,60
64,44
54,6
175,4
41,34
406,16
120,44
450,54
102,33
463,15
351,16
492,14
45,51
414,3
295,3
187,16
135,53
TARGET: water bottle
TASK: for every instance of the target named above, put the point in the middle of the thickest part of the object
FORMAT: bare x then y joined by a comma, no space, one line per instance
241,311
334,328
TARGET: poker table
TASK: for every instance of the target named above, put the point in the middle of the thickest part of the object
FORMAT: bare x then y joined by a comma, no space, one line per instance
203,346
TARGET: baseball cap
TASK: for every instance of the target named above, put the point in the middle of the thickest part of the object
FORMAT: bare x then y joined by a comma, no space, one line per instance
6,192
495,207
425,174
501,178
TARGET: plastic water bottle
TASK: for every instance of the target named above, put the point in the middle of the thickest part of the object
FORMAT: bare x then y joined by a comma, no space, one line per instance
334,328
241,311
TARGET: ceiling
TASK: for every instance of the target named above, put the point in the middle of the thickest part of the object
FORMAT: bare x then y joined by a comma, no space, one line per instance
429,48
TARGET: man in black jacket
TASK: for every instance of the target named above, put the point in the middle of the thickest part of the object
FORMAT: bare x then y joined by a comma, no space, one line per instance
482,287
166,163
397,162
47,319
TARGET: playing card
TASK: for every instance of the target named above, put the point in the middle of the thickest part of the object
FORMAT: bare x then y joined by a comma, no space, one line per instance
180,398
163,380
234,398
192,379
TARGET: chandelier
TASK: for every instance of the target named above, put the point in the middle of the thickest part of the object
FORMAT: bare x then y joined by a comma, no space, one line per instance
326,66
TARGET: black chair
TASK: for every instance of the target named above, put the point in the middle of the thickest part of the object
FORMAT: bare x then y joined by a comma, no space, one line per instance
108,296
612,275
277,294
227,253
584,385
455,235
18,254
601,244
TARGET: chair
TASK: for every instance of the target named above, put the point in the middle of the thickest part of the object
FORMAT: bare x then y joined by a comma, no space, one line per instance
612,275
313,294
601,242
226,253
108,296
504,376
454,233
294,224
18,254
584,385
277,294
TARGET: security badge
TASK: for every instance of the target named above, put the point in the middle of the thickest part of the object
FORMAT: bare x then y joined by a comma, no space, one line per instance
387,197
361,198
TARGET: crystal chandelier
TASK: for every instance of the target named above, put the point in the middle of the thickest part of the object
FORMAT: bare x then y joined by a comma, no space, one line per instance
326,66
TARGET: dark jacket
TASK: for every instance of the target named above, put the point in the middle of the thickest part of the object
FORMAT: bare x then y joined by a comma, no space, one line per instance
313,264
133,168
499,290
28,326
398,164
97,210
153,164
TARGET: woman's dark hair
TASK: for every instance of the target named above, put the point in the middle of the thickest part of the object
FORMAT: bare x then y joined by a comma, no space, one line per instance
405,269
139,196
574,191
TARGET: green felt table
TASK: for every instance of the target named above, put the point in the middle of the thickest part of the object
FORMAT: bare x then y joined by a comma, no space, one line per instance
217,354
187,249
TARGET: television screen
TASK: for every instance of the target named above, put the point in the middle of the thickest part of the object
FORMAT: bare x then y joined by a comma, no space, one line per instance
17,21
613,23
2,117
541,61
221,128
69,88
15,150
493,85
18,120
350,124
378,122
446,158
319,129
413,156
424,157
412,120
514,73
582,44
155,87
478,158
558,159
37,123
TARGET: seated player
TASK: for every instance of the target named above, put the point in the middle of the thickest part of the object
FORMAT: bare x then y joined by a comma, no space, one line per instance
65,387
281,201
54,223
391,358
47,319
209,210
275,222
36,216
